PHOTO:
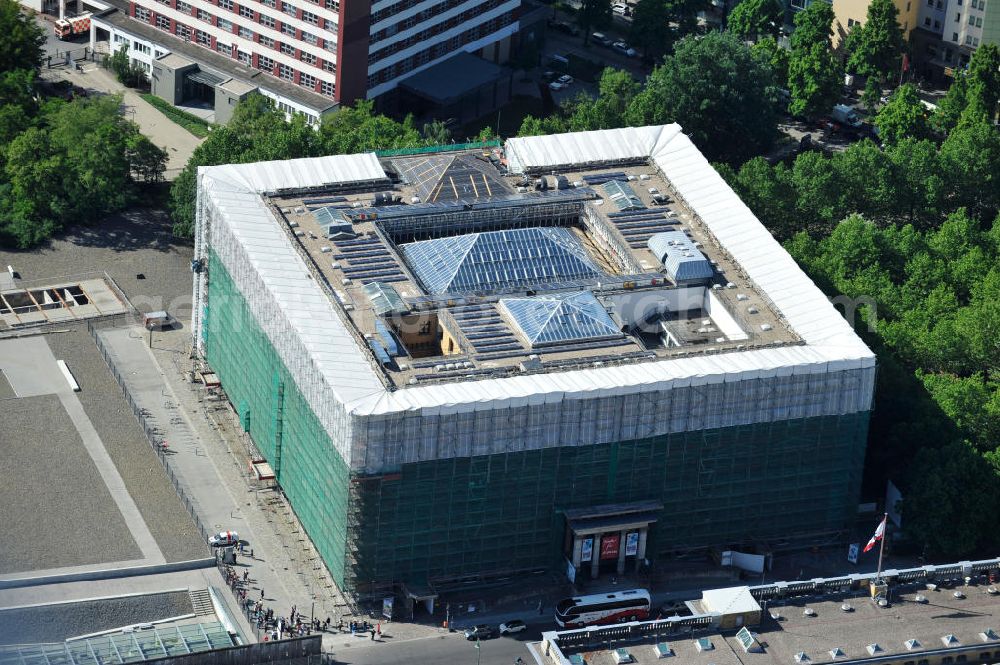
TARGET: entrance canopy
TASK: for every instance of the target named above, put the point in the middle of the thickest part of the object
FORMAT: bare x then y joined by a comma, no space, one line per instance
612,517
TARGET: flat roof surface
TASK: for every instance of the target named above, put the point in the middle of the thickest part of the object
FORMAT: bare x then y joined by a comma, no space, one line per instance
174,60
467,276
451,79
237,87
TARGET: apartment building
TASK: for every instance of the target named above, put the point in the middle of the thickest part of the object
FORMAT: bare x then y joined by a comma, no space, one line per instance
310,55
851,13
948,31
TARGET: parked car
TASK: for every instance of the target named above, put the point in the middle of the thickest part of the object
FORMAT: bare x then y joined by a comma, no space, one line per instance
624,49
564,27
224,539
556,85
565,79
511,627
599,38
480,632
620,8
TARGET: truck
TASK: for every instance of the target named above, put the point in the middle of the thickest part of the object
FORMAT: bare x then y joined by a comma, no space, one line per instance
73,25
845,115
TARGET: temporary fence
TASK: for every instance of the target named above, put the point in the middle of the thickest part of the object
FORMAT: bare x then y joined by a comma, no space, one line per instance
152,435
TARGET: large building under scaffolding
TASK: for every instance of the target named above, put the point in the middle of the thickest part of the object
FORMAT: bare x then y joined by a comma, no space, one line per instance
571,353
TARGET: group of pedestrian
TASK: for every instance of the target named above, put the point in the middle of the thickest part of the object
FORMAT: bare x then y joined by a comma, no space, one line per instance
362,627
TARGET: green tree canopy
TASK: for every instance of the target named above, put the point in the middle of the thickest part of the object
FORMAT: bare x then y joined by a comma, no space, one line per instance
21,39
978,84
877,46
904,116
720,94
768,51
593,14
814,73
651,32
752,19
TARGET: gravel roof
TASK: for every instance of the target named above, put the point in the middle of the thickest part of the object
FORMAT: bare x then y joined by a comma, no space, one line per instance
57,510
55,623
138,465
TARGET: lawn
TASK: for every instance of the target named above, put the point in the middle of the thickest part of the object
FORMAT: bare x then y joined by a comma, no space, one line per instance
192,123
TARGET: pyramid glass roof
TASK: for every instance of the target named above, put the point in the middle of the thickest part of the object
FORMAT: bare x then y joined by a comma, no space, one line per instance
498,260
559,318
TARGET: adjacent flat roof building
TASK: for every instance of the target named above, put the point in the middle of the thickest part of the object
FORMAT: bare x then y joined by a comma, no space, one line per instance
473,363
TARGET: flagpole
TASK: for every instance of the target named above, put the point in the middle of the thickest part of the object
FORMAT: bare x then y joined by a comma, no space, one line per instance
881,549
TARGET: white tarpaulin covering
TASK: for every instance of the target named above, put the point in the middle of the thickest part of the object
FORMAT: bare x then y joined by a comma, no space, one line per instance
373,428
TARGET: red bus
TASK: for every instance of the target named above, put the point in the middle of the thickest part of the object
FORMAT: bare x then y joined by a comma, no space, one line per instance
602,608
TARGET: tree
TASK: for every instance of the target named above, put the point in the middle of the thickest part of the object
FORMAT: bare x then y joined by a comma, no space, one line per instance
970,156
979,83
21,39
359,129
18,105
752,19
651,32
769,52
812,26
127,73
904,116
814,72
593,14
814,80
769,192
436,133
616,89
147,161
876,47
719,93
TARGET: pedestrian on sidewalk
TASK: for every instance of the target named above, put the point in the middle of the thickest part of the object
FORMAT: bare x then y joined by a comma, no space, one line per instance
373,635
262,593
378,629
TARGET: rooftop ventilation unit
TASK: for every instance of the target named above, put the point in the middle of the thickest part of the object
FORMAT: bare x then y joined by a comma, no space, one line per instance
911,644
837,652
873,649
808,612
801,657
704,644
949,640
989,635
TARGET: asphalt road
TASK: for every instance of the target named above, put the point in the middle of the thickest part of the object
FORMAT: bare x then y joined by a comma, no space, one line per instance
450,648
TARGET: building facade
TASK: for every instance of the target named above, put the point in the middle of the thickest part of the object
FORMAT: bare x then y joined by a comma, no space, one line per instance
424,433
949,31
851,13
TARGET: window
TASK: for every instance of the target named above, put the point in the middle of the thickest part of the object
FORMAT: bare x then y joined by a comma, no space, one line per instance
224,49
265,63
927,21
968,40
907,6
202,38
164,2
184,32
307,81
326,88
270,3
163,23
288,29
287,48
330,45
204,16
309,17
958,16
979,21
142,14
975,42
266,41
266,21
226,4
329,66
183,7
245,58
308,58
158,53
289,9
972,20
332,4
939,5
937,24
246,33
309,38
224,24
286,72
961,658
850,22
246,11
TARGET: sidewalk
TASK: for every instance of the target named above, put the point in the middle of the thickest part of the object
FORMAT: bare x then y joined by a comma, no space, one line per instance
177,141
204,454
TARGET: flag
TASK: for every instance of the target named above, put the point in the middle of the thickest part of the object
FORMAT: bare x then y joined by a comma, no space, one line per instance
879,532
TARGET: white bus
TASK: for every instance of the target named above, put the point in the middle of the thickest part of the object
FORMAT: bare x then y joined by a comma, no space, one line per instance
618,607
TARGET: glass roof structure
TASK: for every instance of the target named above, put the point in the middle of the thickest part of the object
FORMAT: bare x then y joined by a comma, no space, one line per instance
622,195
441,178
119,648
385,299
497,260
559,318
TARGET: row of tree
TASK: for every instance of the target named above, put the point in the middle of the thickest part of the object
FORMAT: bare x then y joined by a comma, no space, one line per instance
60,161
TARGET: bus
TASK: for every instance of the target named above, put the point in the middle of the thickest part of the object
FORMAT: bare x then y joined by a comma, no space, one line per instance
603,608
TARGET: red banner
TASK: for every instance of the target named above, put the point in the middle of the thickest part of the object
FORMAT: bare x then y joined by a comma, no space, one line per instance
609,547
